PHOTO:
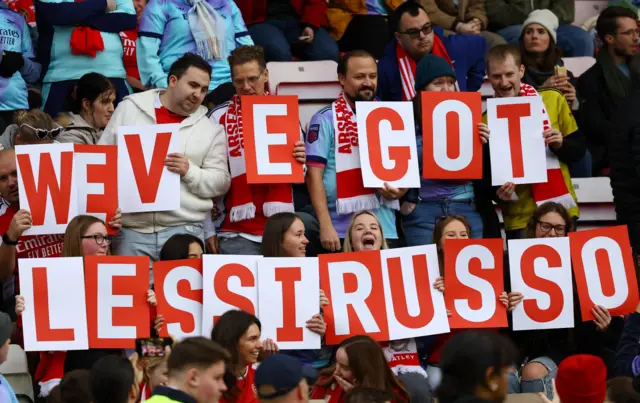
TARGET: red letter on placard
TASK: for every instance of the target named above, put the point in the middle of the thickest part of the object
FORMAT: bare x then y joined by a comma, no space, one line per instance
399,154
354,285
530,278
222,291
451,146
271,130
41,310
179,295
119,314
148,181
288,277
474,280
513,113
604,270
398,287
48,183
105,174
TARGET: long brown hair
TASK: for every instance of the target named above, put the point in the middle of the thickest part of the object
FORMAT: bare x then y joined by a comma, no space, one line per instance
347,247
277,225
438,233
76,229
545,208
368,366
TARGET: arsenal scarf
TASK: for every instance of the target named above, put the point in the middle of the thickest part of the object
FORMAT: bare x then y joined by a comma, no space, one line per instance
352,195
86,41
280,195
555,189
408,66
402,356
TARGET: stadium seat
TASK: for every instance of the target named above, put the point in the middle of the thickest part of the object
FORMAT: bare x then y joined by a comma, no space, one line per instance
16,370
315,83
578,65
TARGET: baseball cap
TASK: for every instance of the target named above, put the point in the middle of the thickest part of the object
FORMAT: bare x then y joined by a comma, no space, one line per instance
280,374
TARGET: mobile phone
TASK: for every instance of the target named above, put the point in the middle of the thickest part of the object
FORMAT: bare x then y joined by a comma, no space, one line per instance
560,71
152,347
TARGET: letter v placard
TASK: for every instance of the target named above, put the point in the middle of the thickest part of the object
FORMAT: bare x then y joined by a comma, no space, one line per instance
144,183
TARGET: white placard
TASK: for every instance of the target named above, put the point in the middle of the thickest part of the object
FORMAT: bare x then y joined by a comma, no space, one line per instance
532,151
65,297
392,135
234,274
557,276
439,322
272,284
167,197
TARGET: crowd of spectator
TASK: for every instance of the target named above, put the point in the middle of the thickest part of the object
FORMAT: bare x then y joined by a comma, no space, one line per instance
75,71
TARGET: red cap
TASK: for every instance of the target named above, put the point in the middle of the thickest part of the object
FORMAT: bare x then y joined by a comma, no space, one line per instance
582,378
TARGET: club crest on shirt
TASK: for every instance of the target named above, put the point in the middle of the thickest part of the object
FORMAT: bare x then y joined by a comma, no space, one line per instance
312,134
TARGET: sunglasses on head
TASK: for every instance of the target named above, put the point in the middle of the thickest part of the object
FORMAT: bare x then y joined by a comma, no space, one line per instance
42,134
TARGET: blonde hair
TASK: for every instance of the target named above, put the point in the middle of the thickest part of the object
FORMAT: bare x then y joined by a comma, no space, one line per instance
347,247
76,229
36,119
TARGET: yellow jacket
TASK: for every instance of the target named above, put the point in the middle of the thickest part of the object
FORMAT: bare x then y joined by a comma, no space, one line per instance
516,214
340,13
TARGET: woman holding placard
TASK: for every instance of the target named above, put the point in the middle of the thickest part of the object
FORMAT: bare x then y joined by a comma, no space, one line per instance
284,237
359,361
439,197
85,236
542,350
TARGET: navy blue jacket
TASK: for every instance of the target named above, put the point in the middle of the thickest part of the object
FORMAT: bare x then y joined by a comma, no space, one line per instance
466,52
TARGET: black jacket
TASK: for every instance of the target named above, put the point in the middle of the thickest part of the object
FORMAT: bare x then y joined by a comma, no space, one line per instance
628,352
597,109
624,150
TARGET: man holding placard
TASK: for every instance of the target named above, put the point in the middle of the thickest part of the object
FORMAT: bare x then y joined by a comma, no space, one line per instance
334,177
563,141
202,164
247,206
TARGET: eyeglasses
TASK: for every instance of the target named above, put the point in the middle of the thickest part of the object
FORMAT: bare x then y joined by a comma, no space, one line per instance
42,134
99,239
239,82
631,32
415,33
547,227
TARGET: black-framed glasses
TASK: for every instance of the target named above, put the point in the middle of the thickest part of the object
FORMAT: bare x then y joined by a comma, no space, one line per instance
415,33
631,32
42,134
99,239
547,227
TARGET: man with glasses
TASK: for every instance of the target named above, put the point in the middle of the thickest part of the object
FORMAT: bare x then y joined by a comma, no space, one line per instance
606,85
243,211
415,37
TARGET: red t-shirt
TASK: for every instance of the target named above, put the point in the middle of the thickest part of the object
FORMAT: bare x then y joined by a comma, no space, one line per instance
165,116
128,39
246,386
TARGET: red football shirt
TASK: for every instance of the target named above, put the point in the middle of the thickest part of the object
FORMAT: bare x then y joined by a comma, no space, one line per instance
247,387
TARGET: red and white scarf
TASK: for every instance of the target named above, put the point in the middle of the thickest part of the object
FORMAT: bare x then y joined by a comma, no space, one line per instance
408,66
50,370
555,189
352,195
280,195
402,356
